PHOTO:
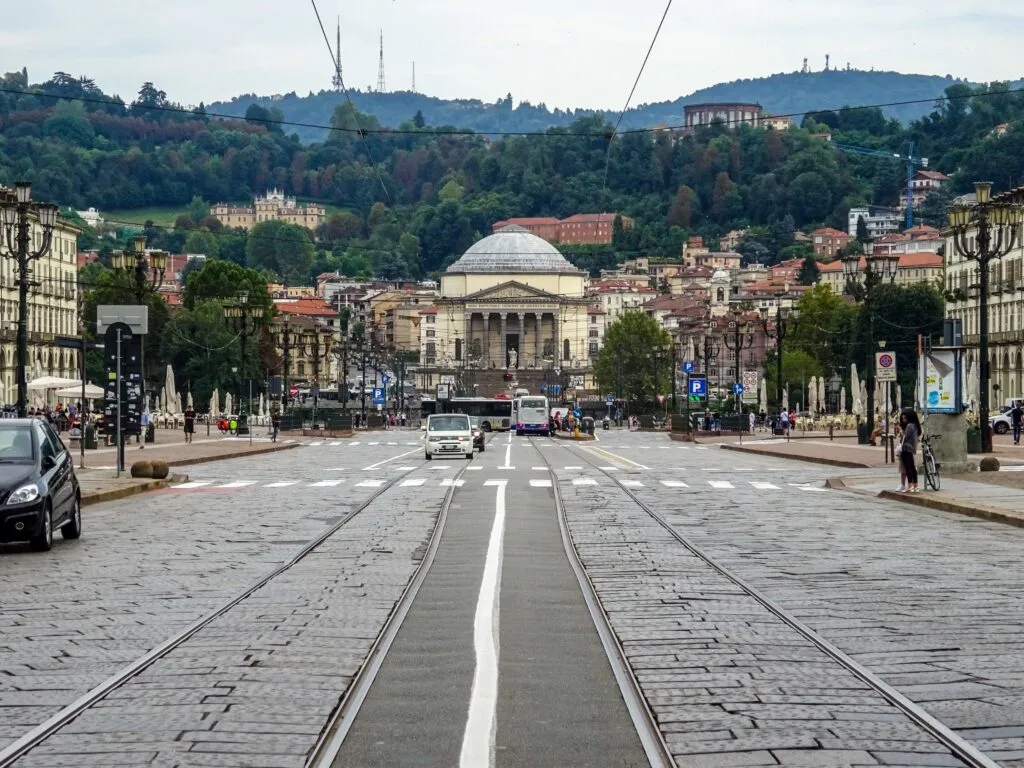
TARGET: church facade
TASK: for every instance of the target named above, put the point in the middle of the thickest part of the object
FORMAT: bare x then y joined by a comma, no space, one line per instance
511,304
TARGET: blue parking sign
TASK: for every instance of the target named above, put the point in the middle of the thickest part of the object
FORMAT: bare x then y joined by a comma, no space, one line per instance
698,386
378,396
687,366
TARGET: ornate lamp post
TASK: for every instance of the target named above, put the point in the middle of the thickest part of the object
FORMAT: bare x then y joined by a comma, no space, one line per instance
286,349
877,269
245,319
739,337
316,345
782,318
16,213
997,224
145,273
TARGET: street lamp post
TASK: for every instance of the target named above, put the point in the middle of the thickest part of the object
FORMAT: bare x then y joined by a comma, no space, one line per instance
246,320
998,226
16,211
286,349
742,333
876,270
316,347
782,318
145,274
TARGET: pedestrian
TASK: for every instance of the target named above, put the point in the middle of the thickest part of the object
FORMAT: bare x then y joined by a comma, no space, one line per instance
911,427
275,422
145,427
190,423
898,453
1017,419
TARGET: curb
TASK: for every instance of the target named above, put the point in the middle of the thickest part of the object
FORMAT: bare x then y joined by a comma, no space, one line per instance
235,455
811,459
930,502
99,497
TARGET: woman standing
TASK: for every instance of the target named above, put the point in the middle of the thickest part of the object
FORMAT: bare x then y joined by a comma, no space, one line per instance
911,427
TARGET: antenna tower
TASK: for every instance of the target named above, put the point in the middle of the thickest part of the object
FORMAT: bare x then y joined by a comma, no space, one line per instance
414,77
336,79
381,86
805,70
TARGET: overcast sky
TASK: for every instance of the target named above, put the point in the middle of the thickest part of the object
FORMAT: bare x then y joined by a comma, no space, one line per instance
564,53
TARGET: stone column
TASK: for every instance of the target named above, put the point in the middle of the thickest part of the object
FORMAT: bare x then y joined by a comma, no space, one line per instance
537,348
502,342
469,336
557,343
487,340
521,347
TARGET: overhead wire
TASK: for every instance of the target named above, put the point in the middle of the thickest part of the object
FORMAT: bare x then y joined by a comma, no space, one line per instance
636,82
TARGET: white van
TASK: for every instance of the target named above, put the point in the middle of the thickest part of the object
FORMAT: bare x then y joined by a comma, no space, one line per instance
448,434
521,392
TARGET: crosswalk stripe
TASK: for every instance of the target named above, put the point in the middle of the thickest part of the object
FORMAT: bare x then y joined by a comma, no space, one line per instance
473,469
403,469
584,481
544,482
355,442
377,443
370,484
674,484
632,483
448,482
570,469
318,442
803,487
327,483
282,484
720,484
539,469
192,484
238,484
764,486
441,467
335,444
413,481
609,469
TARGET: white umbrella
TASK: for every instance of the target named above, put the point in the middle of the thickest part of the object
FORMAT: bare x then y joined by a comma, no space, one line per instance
822,403
227,403
92,392
864,398
171,389
215,404
162,400
812,395
177,402
842,401
53,382
188,402
763,399
785,399
262,406
858,405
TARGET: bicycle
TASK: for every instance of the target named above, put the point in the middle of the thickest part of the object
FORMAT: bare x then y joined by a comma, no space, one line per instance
931,466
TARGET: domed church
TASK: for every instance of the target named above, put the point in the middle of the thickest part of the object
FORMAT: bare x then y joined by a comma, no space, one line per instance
513,303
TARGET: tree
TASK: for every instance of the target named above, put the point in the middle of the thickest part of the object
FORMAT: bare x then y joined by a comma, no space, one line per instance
809,272
862,230
797,367
418,120
824,328
220,281
198,209
282,248
625,363
202,242
683,208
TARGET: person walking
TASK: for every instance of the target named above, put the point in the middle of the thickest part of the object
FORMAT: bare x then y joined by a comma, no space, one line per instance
1017,420
190,423
911,427
275,422
897,432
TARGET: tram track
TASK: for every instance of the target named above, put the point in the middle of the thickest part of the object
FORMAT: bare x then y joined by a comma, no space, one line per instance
38,735
958,747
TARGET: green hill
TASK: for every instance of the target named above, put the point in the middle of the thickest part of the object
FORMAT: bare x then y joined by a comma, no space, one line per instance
780,94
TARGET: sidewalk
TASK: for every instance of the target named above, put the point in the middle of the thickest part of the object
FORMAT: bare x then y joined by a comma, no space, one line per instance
974,498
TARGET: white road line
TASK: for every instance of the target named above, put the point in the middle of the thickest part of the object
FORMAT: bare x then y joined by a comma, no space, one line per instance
606,454
571,468
440,467
317,442
193,484
376,443
631,483
327,484
720,484
238,484
448,482
539,469
370,484
584,481
472,469
413,481
674,484
544,482
334,444
355,442
393,458
609,469
403,469
392,443
335,469
478,738
805,487
764,486
282,484
508,455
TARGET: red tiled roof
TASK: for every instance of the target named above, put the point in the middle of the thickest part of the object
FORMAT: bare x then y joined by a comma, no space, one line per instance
592,217
305,307
907,261
526,221
935,175
428,311
595,310
830,232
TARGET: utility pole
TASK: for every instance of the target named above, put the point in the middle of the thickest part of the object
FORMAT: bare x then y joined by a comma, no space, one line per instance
742,338
286,362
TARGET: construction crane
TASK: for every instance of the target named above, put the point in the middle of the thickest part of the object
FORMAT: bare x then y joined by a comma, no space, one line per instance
912,161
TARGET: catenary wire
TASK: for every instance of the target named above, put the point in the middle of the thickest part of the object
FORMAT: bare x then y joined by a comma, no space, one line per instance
553,132
636,82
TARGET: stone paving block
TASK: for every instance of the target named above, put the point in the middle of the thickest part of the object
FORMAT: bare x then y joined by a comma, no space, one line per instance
823,758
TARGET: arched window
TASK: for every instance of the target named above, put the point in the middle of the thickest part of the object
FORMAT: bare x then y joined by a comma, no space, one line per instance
458,349
721,295
566,350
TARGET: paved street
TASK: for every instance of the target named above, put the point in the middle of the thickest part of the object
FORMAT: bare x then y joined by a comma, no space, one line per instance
498,660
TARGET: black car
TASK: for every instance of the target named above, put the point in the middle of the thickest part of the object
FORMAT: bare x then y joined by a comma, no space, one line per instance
478,433
39,492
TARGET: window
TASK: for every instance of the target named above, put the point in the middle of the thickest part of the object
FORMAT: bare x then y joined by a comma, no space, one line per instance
566,350
593,319
593,333
592,348
431,333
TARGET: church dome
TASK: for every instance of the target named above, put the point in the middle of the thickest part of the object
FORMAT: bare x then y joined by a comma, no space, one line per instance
512,249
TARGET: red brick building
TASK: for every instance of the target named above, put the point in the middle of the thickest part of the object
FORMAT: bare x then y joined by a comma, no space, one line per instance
581,229
828,241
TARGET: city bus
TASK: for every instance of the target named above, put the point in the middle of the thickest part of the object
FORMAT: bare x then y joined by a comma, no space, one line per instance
530,414
495,414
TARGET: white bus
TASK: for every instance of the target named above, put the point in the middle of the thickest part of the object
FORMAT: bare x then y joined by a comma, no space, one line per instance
530,414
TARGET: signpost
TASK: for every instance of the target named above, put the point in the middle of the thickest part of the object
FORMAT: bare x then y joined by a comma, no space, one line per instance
885,366
378,395
123,395
751,382
687,366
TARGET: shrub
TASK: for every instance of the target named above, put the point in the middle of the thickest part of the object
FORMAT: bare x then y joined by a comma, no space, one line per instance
990,464
142,469
160,469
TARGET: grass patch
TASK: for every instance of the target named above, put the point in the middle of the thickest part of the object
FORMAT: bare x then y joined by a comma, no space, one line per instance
159,215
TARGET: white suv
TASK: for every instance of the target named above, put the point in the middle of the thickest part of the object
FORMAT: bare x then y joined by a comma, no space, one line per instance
448,434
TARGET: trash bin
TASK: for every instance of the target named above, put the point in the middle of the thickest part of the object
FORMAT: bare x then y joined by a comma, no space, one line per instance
150,433
588,425
90,436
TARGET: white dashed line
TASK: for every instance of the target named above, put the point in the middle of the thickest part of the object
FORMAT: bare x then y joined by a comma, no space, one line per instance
609,469
541,483
584,481
674,484
327,484
413,481
448,482
764,486
238,484
631,483
370,484
720,484
282,484
194,484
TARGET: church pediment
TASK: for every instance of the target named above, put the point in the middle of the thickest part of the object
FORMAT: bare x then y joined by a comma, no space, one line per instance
511,290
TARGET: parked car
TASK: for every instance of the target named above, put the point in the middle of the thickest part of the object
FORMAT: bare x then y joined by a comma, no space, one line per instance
1001,423
478,433
39,492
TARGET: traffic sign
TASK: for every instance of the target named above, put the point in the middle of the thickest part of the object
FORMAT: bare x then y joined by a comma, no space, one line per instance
293,391
384,379
609,399
378,395
698,387
885,366
687,366
751,382
737,388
